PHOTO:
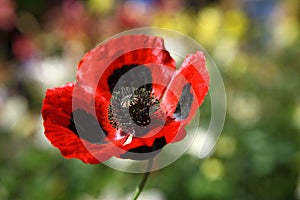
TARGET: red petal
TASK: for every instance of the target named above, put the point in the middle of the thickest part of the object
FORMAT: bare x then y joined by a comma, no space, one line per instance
193,73
98,64
172,132
161,77
150,145
95,104
56,112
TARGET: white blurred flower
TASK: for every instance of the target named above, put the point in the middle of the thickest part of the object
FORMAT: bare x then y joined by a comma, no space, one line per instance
12,111
245,109
50,71
202,145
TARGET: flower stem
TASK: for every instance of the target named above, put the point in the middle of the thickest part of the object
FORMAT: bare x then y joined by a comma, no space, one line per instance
140,188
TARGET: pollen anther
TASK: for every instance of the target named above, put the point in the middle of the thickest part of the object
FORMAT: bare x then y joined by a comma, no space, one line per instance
130,107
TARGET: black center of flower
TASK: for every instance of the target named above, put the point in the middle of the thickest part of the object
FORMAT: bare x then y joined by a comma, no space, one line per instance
131,108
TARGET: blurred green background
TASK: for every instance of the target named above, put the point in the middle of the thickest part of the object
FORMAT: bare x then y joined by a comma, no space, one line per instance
256,45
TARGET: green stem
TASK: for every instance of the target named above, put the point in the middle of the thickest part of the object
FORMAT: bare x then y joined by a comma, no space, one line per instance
140,188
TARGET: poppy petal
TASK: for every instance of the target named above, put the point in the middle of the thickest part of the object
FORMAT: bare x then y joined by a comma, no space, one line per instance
102,66
69,131
145,152
187,89
184,94
161,77
151,144
148,147
83,120
92,109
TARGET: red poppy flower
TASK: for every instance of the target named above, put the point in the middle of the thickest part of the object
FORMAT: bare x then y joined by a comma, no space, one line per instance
128,101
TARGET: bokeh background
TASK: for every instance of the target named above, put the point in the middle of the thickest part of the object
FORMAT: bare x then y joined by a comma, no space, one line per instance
256,45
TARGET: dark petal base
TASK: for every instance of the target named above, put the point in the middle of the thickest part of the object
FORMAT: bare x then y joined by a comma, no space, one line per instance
85,126
145,152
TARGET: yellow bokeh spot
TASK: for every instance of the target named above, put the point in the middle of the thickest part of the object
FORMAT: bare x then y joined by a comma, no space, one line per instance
235,24
208,26
226,146
296,117
225,52
286,32
238,67
180,22
212,169
100,6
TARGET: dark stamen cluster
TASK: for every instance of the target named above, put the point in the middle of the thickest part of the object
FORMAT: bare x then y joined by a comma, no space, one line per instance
130,107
